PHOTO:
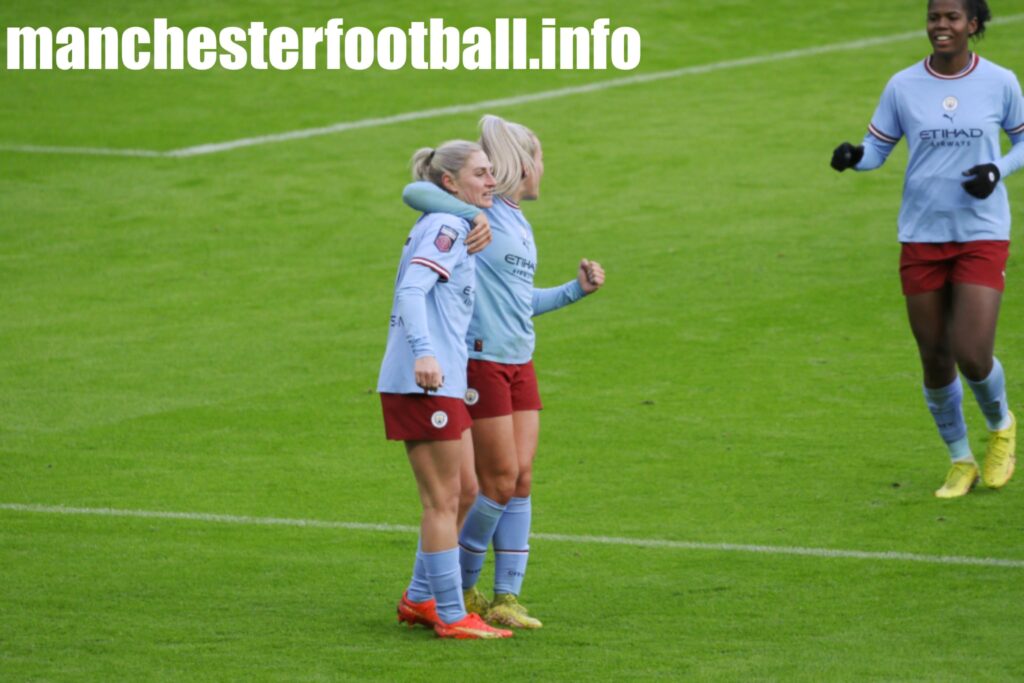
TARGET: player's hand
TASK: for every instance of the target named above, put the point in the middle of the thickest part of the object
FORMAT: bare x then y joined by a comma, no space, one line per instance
984,180
480,236
590,276
847,156
428,373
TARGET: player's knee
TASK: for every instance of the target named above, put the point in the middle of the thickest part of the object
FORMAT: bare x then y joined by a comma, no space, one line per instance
468,494
934,353
498,479
449,505
975,366
443,502
505,490
500,487
937,360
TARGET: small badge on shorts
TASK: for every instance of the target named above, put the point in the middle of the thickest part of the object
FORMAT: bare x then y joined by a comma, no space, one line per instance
439,419
472,396
445,239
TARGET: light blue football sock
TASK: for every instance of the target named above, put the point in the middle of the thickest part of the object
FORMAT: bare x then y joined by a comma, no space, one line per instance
512,546
476,536
419,587
960,450
445,584
946,405
991,396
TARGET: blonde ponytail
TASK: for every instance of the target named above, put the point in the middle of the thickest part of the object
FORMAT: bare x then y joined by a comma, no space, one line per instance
433,164
511,147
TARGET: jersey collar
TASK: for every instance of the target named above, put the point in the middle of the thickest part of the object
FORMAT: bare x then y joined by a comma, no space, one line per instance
509,202
966,71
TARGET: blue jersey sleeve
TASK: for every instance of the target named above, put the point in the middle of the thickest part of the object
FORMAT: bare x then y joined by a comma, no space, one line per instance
439,247
1013,124
435,251
884,131
429,198
411,303
553,298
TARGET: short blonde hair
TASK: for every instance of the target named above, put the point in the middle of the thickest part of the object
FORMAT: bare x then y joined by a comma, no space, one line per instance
432,164
511,147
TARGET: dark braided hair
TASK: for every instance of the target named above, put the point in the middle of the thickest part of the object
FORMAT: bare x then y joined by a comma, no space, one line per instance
978,9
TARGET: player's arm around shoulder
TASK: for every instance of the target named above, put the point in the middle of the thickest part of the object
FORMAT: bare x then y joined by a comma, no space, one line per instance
429,198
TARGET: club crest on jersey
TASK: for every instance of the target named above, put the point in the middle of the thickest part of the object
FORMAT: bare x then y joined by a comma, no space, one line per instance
949,105
439,419
472,396
445,239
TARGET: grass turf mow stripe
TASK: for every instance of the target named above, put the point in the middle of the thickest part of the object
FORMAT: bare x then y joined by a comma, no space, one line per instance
304,133
560,538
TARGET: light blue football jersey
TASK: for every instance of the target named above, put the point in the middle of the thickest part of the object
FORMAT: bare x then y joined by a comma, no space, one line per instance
951,124
501,329
434,292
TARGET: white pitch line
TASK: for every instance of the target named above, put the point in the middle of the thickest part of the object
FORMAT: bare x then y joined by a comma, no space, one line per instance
304,133
91,151
561,538
788,550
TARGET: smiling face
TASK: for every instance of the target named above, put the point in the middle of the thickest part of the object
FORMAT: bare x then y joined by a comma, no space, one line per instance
475,182
949,27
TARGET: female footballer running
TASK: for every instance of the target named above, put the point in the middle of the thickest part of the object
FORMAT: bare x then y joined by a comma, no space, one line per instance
422,382
502,397
954,225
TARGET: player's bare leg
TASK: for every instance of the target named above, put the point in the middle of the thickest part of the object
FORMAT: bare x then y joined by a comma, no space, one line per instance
973,333
931,315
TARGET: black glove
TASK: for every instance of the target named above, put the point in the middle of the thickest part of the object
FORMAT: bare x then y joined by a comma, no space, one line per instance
986,177
847,156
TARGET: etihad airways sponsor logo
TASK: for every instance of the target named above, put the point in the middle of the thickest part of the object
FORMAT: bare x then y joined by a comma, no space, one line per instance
951,134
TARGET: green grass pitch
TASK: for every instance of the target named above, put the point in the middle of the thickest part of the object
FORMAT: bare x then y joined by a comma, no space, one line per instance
202,335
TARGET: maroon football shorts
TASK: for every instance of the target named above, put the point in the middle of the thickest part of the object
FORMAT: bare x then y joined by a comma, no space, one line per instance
926,267
497,389
422,417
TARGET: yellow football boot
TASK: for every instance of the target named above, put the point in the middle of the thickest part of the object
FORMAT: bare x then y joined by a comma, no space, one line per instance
476,602
962,477
1000,456
506,610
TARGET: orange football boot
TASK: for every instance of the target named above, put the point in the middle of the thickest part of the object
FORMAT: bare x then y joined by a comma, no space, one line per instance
470,627
413,613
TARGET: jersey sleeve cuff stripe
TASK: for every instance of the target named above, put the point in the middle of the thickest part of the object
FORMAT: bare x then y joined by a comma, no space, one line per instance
1015,131
444,274
882,136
